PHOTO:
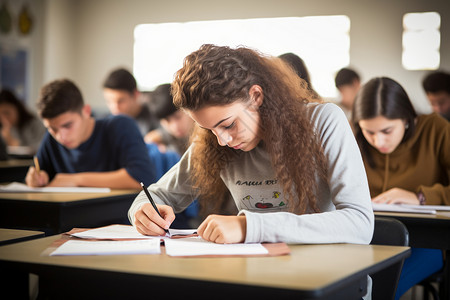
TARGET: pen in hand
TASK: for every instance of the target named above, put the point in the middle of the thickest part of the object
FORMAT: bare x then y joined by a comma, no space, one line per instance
36,164
153,203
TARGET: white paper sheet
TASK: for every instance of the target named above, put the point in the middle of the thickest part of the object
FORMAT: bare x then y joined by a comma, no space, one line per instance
17,187
125,232
428,207
194,246
72,247
401,208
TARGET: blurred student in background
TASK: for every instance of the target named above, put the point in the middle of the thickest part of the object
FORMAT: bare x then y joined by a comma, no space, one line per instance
300,68
348,83
437,88
176,125
79,150
122,97
19,127
406,157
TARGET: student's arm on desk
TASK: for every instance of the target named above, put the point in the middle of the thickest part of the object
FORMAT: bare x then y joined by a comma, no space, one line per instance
119,179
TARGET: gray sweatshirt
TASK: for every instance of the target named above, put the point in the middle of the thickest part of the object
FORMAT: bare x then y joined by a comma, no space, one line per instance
344,201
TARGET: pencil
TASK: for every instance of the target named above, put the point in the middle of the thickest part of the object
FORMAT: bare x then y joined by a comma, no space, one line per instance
36,164
152,202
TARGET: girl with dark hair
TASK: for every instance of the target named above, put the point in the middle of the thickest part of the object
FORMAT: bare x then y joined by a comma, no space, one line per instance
406,158
19,127
291,165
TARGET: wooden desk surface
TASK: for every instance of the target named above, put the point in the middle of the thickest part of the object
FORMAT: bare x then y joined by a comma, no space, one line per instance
9,236
64,197
307,268
16,163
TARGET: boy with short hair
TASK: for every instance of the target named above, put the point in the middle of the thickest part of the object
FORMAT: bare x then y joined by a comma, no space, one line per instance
122,97
176,124
78,150
437,88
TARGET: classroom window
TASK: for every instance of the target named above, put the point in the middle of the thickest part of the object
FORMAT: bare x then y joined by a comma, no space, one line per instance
323,42
421,41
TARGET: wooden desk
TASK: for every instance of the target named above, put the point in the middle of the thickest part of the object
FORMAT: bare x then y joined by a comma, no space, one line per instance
59,212
428,231
336,271
9,236
14,169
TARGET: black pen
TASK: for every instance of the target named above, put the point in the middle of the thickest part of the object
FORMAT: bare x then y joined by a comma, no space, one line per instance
153,203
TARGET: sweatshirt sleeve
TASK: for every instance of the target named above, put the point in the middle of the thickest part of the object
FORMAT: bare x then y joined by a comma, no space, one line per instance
349,217
439,194
173,189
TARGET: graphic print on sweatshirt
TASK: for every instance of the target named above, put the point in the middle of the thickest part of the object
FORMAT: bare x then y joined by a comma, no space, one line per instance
265,195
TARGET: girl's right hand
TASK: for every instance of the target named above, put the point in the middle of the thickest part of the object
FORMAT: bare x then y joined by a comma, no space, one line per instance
148,222
36,179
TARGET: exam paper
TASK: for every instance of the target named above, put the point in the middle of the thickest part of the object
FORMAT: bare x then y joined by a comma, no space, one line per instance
76,247
428,207
402,208
17,187
125,232
194,246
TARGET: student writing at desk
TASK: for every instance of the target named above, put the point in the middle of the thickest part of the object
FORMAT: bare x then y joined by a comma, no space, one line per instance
406,158
292,167
81,151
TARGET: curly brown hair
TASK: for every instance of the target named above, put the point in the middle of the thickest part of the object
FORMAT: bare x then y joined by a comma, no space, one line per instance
217,76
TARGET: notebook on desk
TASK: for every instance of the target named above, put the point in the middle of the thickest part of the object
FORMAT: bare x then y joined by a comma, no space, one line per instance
124,239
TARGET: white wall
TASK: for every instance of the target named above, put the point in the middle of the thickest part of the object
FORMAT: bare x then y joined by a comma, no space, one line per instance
59,41
85,39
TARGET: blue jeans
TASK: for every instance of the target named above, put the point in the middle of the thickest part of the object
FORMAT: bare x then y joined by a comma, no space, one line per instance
422,263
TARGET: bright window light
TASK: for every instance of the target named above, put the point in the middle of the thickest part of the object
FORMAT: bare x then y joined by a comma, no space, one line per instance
421,41
323,42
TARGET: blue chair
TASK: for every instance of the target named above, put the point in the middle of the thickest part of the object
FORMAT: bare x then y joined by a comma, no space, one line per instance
162,161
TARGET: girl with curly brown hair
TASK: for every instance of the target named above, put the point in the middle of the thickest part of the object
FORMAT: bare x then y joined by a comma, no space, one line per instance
290,163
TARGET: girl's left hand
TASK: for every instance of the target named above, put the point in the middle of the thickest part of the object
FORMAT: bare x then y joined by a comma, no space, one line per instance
223,229
397,196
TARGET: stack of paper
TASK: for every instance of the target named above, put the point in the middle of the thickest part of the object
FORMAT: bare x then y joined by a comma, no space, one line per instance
417,209
428,207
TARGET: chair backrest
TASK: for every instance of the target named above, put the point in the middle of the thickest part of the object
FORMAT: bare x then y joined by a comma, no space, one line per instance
390,232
